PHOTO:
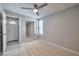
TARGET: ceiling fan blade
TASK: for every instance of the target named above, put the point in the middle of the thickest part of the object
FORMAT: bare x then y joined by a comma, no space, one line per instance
35,6
37,13
43,5
27,8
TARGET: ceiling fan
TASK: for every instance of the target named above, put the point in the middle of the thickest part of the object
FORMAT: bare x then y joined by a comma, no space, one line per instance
35,8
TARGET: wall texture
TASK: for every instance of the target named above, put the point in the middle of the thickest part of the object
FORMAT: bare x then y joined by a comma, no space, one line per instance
62,28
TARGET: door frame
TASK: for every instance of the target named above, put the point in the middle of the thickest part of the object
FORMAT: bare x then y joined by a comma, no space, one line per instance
4,34
8,16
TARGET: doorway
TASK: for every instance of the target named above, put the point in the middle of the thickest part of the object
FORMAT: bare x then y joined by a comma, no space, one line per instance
12,31
29,30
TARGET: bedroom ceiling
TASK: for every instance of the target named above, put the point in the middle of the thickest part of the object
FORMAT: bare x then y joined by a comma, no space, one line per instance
47,10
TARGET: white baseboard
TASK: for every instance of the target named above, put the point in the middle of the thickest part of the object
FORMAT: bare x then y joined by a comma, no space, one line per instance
72,51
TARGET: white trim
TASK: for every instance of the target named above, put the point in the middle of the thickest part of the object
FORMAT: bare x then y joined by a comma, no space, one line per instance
19,30
12,16
72,51
4,31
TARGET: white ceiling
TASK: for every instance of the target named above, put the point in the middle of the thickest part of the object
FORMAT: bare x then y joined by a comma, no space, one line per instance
47,10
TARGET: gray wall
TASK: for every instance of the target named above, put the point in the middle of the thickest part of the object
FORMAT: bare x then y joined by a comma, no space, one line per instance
62,28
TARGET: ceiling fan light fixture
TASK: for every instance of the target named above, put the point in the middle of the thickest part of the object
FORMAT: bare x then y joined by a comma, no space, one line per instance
35,10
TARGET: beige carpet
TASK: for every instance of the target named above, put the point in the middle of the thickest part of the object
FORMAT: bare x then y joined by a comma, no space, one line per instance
36,48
